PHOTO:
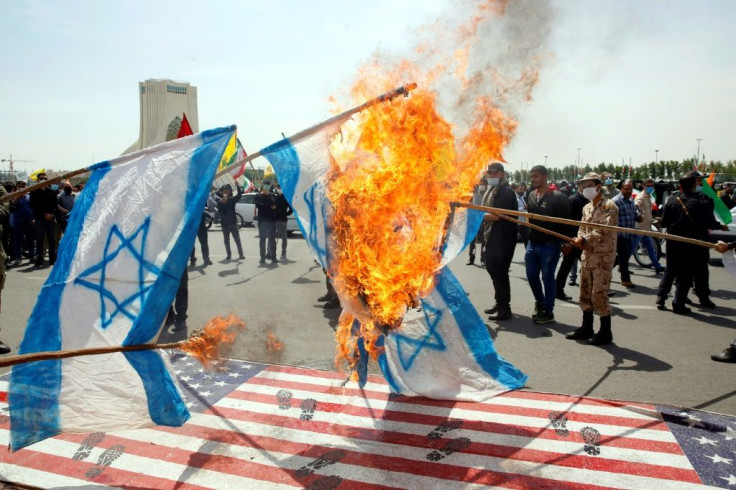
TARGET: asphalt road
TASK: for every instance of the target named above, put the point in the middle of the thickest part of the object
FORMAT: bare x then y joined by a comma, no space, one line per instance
656,356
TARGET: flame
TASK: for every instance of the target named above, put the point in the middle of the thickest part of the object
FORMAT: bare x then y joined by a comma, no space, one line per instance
398,165
215,340
272,343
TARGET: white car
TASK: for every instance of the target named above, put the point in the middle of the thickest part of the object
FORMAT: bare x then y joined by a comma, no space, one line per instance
247,209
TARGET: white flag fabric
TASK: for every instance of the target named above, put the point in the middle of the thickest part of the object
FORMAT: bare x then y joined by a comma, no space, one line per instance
118,269
447,354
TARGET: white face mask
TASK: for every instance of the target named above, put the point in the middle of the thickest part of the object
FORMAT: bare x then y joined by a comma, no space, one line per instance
492,181
590,192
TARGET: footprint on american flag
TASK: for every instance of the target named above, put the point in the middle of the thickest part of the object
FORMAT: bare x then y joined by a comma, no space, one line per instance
308,407
559,422
327,459
88,443
105,460
453,446
592,440
444,428
284,399
325,483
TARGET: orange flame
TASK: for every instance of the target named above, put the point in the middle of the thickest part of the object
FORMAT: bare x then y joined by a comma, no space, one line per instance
215,340
399,165
272,343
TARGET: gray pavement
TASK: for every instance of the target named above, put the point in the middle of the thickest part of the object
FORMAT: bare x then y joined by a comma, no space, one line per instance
656,356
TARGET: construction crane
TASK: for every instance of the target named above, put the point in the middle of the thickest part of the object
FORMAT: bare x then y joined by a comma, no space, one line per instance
11,161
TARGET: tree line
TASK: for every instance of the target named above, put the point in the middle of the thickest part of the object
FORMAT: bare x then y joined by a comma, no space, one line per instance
665,170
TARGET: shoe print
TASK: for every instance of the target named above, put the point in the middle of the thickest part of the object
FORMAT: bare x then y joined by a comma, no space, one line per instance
106,459
284,399
592,440
308,407
325,483
453,446
559,423
88,443
444,428
327,459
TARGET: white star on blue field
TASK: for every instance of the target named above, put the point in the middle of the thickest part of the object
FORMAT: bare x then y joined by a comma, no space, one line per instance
135,246
432,340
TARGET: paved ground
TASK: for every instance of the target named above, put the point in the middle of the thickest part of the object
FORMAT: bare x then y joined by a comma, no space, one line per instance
657,356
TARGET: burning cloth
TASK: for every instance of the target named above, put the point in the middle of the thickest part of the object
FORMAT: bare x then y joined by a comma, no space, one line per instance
376,217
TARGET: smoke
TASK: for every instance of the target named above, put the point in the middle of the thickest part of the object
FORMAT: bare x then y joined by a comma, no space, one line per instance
474,55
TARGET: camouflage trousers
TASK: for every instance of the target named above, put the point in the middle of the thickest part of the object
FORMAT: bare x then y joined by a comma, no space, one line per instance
594,286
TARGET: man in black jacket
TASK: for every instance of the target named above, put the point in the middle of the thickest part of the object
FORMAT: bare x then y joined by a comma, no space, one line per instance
266,208
500,237
44,206
228,220
283,211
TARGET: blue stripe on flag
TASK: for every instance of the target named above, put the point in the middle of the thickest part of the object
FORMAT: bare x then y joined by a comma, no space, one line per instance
34,392
475,333
474,220
383,364
286,163
165,404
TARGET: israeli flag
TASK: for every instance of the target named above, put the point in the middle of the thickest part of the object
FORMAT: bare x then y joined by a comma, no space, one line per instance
443,351
118,270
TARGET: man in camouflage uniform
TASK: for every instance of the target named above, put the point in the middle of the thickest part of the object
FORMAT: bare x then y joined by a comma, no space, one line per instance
4,221
599,254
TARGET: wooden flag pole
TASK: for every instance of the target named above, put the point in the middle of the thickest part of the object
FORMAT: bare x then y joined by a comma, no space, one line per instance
206,344
552,219
63,354
562,237
403,90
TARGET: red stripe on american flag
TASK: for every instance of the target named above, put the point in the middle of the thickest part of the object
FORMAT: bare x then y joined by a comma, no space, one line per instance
220,463
60,465
637,423
491,450
432,421
374,461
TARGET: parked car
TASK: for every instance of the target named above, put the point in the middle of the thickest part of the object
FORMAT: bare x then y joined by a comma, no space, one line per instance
246,207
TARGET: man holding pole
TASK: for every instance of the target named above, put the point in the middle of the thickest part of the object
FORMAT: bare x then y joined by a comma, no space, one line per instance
596,269
543,250
500,238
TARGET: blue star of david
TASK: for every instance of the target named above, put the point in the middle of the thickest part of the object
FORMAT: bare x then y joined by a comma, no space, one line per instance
432,340
121,305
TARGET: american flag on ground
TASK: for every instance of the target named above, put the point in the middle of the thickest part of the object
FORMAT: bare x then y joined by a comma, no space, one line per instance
268,426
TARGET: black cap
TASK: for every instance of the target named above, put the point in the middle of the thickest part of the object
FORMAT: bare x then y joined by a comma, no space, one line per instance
496,167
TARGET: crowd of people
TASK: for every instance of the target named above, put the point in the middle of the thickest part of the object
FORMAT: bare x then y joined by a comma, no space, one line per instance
595,202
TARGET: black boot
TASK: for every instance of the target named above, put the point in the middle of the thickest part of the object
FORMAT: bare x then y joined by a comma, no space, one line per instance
604,335
491,311
504,313
586,329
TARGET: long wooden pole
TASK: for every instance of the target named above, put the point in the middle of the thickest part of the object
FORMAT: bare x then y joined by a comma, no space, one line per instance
63,354
552,219
536,227
403,90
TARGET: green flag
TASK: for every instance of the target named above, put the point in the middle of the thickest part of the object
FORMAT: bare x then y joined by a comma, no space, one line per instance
721,212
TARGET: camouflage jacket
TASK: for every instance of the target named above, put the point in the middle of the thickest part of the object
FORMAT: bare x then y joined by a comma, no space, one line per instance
600,245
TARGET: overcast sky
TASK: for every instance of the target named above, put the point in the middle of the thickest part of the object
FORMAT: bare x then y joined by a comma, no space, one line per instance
620,79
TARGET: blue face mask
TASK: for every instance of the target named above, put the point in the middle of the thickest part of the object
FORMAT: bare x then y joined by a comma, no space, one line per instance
698,188
54,187
649,190
608,181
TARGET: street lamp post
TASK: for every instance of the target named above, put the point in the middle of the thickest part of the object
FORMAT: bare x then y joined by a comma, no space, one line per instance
697,160
545,160
656,156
